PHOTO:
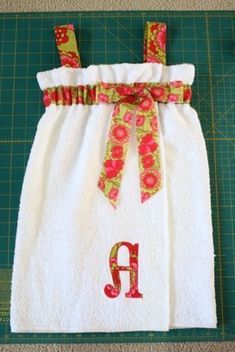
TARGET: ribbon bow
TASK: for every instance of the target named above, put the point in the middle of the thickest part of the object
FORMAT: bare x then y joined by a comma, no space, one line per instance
130,98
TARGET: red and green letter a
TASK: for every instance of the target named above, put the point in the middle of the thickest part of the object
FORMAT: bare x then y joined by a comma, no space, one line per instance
114,290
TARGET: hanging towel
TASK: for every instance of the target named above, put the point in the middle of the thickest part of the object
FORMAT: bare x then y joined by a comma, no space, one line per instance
81,265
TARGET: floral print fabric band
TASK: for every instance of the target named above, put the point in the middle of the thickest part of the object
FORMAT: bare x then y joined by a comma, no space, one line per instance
130,99
67,45
155,42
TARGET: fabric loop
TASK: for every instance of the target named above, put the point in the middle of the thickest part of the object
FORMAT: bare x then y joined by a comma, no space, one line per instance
155,42
67,46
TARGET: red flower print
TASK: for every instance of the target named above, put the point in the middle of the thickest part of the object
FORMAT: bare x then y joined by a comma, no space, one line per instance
129,99
92,93
101,184
106,85
153,123
140,120
103,98
173,97
66,61
67,96
113,167
119,134
60,35
70,59
155,27
111,291
145,196
71,27
161,38
150,179
117,152
152,47
158,92
153,59
132,293
139,86
80,100
127,117
51,97
147,145
116,110
82,88
146,104
113,193
187,94
46,98
147,161
54,96
113,260
73,55
123,90
176,84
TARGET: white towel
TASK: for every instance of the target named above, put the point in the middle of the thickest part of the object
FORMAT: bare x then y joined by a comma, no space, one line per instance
66,226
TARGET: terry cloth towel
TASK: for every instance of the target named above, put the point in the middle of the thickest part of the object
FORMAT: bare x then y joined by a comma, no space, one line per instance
67,228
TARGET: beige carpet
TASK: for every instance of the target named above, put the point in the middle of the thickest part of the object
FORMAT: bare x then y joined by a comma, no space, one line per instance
87,5
91,5
145,347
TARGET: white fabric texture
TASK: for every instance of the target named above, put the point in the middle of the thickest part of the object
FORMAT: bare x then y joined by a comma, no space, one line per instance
67,227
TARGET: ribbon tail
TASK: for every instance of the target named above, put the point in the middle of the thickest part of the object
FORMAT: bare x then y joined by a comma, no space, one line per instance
115,151
148,148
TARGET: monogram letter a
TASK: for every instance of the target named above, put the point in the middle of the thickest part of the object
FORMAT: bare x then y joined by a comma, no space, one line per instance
113,291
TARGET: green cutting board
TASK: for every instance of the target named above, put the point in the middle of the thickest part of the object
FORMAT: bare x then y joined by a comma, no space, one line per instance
206,39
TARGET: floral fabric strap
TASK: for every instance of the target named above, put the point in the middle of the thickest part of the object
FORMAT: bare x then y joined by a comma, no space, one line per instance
155,42
67,46
129,99
176,92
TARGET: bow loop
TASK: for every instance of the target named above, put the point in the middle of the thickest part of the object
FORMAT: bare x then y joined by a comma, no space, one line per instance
140,89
